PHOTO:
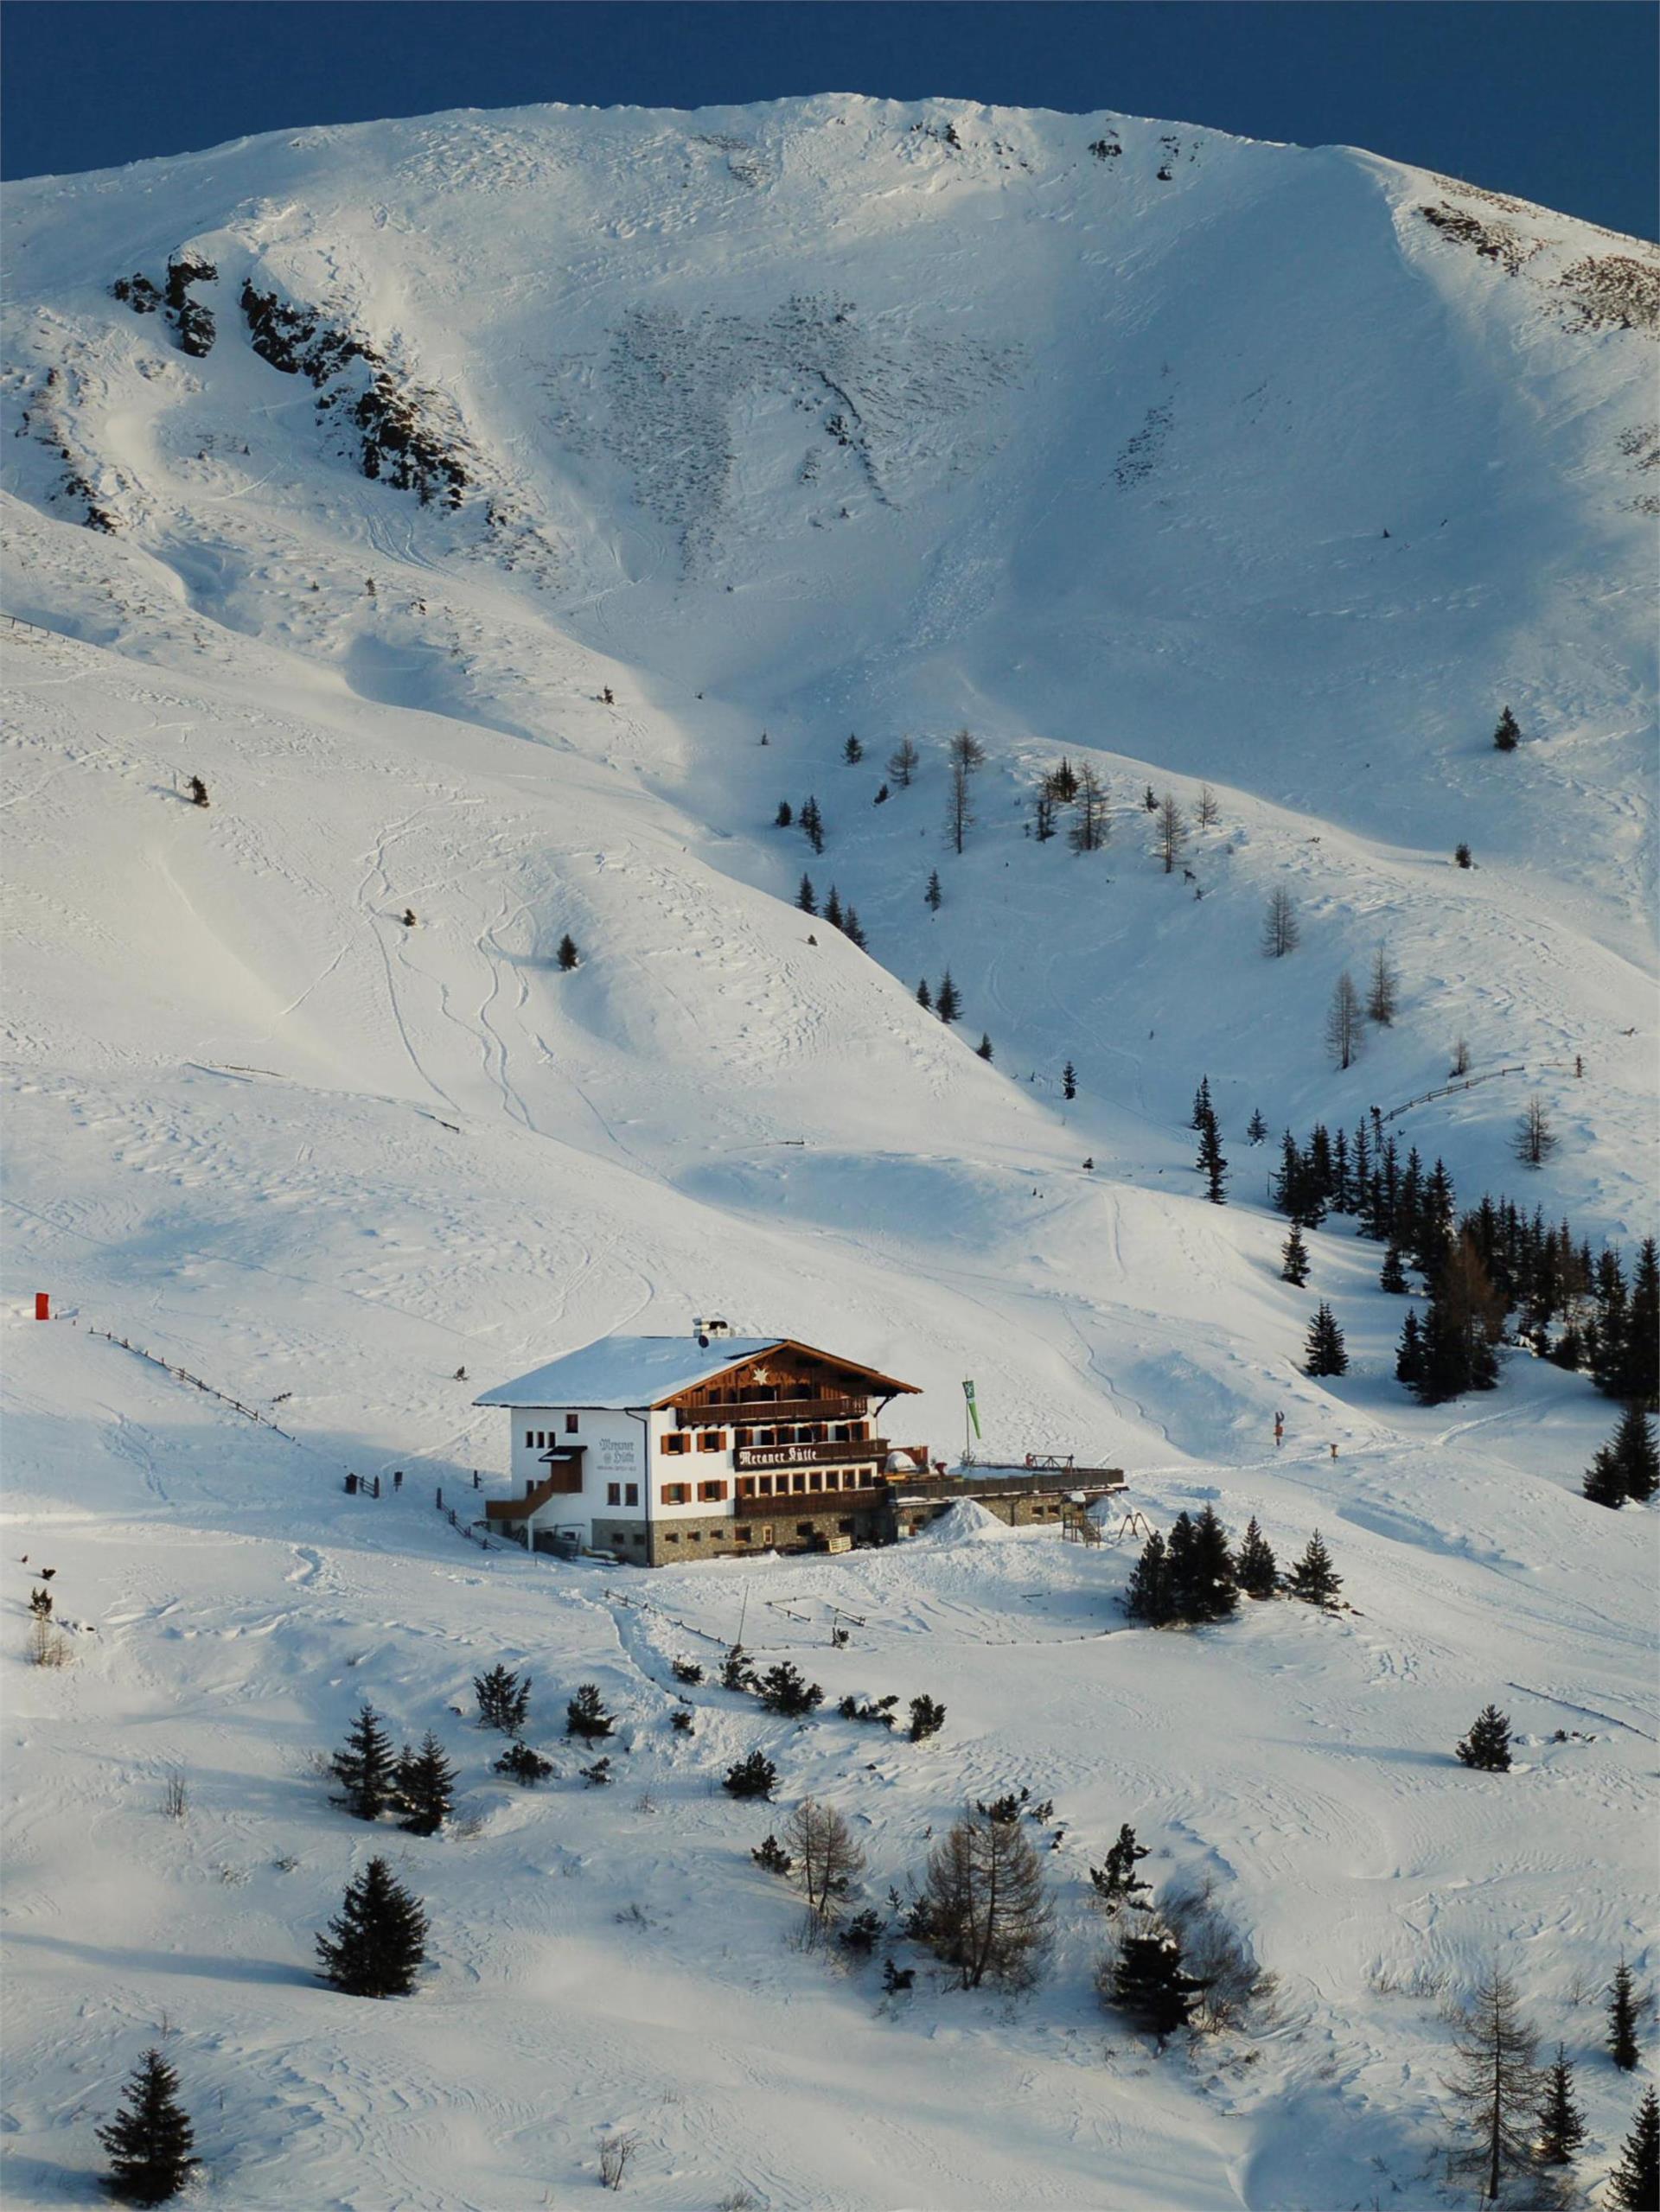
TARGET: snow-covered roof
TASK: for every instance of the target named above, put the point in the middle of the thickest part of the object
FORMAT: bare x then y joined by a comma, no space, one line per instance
622,1371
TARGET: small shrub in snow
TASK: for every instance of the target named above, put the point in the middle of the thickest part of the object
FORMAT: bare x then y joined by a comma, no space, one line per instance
863,1932
926,1719
615,2154
755,1776
1117,1883
176,1797
503,1698
772,1858
782,1690
896,1981
149,2138
1487,1747
599,1775
585,1716
687,1670
681,1720
736,1672
520,1764
877,1711
1234,1987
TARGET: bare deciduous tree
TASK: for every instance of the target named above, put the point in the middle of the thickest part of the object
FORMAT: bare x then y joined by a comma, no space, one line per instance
1173,832
902,763
1495,2087
1383,991
967,751
1089,822
1535,1139
828,1860
1281,928
1210,811
1345,1022
615,2152
984,1903
1460,1057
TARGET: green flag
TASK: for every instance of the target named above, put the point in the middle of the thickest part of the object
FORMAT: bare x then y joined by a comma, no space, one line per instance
974,1410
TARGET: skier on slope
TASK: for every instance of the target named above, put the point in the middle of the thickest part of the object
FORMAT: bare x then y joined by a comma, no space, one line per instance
1279,1430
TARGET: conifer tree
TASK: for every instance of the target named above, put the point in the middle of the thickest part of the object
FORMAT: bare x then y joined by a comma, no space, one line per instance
1149,1984
376,1946
853,929
1507,734
1206,1588
1487,1747
1061,783
1494,2085
1069,1081
1622,2008
1561,2124
1118,1881
755,1776
1293,1259
785,815
424,1784
833,913
948,1004
806,898
1147,1598
1634,2185
1211,1164
1605,1479
933,896
1461,857
363,1768
924,997
984,1047
1254,1564
149,2138
503,1698
1392,1275
1257,1129
1635,1455
585,1715
1324,1353
852,752
1409,1355
1314,1577
812,824
569,956
1636,1374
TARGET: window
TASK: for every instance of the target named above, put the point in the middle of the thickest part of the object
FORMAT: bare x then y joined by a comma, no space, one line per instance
766,1531
765,1436
745,1436
798,1482
742,1535
675,1442
710,1440
803,1528
570,1424
713,1493
677,1494
841,1432
746,1486
845,1527
613,1494
764,1484
816,1481
631,1493
671,1538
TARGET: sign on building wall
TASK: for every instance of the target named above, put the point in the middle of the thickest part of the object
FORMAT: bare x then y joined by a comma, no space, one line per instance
618,1456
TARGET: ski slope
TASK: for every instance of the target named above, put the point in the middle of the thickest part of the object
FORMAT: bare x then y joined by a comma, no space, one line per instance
804,419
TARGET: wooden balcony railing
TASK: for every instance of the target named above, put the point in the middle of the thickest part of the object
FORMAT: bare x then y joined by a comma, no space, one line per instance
763,1412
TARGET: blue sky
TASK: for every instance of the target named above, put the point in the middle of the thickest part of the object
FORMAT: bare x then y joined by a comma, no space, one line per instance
1549,99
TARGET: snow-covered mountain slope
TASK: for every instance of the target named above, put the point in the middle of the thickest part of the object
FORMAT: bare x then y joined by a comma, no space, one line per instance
1280,473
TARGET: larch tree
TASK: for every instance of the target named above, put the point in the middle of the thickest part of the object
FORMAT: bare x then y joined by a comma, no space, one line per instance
827,1860
1534,1140
902,762
1346,1022
984,1903
1210,813
1089,817
1383,989
1281,930
1495,2087
959,808
1171,833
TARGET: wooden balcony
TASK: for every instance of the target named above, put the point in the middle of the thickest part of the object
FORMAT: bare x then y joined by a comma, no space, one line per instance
800,1505
767,1411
